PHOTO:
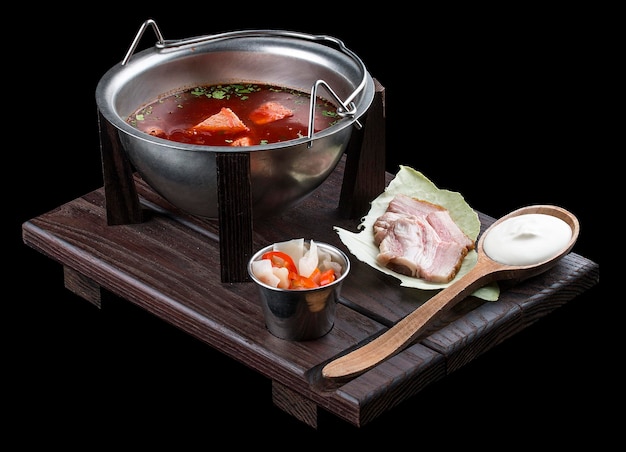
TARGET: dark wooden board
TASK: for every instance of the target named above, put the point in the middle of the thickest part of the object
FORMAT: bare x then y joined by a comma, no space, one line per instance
169,265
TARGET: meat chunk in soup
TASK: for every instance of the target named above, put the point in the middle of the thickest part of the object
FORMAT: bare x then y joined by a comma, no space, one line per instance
243,141
224,121
270,112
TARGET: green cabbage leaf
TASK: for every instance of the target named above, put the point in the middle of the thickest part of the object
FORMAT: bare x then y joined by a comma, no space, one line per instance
411,182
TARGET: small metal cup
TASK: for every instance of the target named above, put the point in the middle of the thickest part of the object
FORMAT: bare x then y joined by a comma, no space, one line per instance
301,314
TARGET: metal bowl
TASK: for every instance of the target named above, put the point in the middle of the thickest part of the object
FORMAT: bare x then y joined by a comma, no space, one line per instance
301,314
281,174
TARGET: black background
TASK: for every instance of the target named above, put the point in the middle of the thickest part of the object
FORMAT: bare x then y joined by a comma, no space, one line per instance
492,104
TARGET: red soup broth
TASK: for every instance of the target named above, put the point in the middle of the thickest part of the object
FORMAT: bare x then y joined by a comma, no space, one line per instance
177,116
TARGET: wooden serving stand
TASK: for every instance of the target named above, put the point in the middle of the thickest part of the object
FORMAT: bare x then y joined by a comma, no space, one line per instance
364,179
124,239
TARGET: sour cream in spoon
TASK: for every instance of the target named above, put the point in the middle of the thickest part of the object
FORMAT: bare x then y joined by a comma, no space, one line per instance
527,239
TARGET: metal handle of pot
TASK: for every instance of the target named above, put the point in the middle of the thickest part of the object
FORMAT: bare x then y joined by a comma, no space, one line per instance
138,36
347,107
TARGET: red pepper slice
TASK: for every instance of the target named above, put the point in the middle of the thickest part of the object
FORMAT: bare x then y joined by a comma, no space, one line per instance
281,259
301,282
327,277
315,276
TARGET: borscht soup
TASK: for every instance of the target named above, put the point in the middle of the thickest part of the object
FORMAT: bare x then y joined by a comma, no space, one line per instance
245,114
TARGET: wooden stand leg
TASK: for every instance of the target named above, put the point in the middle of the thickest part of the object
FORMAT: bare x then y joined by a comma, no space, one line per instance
293,403
122,202
234,196
82,286
364,175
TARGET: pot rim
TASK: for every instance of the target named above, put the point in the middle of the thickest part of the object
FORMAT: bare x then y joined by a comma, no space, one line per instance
164,51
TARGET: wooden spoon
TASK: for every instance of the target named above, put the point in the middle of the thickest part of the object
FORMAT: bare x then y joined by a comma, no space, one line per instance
486,270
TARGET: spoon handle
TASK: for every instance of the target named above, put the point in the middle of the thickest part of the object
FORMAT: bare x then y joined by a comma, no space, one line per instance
400,335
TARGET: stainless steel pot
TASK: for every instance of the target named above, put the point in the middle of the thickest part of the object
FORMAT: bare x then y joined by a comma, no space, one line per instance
282,174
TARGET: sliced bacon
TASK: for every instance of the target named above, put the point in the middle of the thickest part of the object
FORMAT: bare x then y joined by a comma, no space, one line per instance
438,216
270,112
418,238
224,121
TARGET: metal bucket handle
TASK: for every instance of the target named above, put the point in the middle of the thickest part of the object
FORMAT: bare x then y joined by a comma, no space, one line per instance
347,107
